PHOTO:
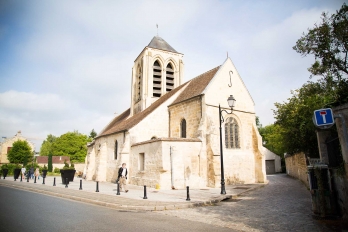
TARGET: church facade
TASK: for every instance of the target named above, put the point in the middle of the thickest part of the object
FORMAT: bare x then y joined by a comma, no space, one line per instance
169,137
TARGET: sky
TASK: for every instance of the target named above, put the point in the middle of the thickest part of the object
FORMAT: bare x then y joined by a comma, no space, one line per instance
67,65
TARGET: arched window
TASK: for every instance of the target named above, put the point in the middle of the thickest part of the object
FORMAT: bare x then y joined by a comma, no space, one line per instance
138,85
157,79
116,148
183,128
169,78
232,133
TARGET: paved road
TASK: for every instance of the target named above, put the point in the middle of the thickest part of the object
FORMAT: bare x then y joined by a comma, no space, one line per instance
283,205
27,211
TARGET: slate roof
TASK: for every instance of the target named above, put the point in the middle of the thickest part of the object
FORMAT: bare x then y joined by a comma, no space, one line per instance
194,88
159,43
119,124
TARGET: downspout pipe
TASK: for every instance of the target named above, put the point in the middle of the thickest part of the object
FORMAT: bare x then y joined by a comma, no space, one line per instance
171,166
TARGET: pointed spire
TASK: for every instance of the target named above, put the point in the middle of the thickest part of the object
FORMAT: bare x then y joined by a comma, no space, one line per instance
159,43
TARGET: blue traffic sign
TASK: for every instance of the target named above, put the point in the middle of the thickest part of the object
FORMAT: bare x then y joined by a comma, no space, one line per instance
324,117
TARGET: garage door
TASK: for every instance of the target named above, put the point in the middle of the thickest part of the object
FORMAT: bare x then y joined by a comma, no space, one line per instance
270,167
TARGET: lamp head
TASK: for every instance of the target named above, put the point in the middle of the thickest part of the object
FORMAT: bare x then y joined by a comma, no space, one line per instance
231,101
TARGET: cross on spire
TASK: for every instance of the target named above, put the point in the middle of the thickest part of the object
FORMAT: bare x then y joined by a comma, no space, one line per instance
157,29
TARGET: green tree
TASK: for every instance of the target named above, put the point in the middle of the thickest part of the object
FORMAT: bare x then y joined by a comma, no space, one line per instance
295,117
258,123
328,42
50,167
272,138
46,147
72,144
93,134
20,152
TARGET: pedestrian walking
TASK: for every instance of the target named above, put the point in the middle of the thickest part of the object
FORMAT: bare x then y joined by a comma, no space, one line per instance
37,173
31,172
122,177
23,171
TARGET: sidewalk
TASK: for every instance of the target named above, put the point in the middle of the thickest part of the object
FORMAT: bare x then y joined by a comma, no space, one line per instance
133,200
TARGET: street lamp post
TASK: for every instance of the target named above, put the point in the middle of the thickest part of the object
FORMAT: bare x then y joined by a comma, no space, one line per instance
231,102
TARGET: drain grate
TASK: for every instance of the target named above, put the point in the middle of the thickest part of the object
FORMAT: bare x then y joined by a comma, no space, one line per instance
242,188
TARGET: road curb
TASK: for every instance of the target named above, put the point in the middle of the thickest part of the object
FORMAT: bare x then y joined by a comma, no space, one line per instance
170,206
165,206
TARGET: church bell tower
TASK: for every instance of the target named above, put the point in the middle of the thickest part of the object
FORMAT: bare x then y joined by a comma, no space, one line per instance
157,70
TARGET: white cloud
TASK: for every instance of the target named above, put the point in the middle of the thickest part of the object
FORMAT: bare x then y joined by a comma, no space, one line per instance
71,63
22,101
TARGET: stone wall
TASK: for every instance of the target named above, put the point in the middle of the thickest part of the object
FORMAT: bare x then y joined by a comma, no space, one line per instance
341,181
167,163
296,167
242,165
191,111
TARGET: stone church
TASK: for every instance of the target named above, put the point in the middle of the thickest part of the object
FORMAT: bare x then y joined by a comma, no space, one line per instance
169,137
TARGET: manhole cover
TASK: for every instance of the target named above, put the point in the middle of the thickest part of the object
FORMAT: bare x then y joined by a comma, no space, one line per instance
242,188
154,191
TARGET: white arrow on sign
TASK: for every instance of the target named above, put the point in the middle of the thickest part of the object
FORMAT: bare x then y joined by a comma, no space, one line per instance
323,113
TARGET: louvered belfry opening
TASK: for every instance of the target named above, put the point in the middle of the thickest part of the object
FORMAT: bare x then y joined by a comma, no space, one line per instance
138,86
157,79
169,78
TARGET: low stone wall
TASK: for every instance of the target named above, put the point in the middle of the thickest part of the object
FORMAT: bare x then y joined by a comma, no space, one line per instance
296,167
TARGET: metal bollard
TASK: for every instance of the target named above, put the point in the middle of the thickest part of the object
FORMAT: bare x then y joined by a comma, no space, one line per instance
28,178
35,180
43,180
54,181
145,197
97,187
188,193
66,182
80,185
21,177
118,189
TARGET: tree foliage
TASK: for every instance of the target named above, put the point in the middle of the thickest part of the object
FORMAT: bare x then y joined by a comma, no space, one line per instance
72,144
20,152
50,166
295,117
328,42
272,138
93,134
46,147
